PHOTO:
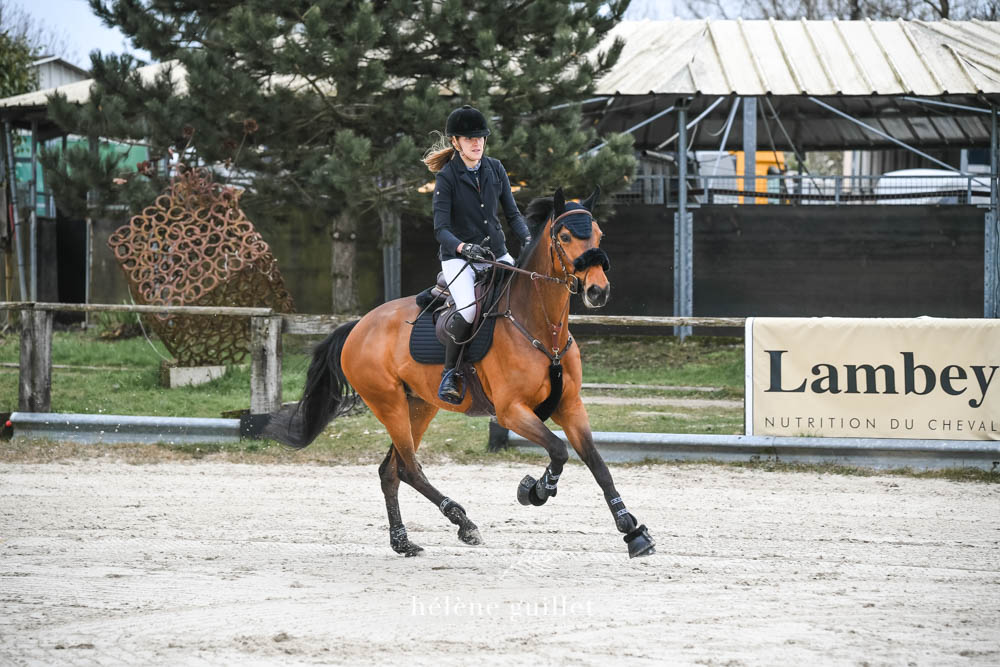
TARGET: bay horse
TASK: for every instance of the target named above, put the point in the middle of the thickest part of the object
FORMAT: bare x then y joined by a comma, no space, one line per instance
531,355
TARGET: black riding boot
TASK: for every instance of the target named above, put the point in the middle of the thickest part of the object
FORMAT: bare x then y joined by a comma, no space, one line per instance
458,330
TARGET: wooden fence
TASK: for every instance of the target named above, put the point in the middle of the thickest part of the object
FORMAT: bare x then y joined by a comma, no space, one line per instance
266,327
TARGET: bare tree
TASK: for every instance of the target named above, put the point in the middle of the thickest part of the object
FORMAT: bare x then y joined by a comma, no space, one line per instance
21,26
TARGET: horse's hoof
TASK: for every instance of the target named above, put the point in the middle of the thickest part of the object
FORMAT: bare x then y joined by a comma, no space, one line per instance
524,490
640,543
401,544
470,537
409,549
527,492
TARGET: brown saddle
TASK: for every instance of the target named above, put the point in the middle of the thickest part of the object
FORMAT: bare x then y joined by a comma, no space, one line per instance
446,310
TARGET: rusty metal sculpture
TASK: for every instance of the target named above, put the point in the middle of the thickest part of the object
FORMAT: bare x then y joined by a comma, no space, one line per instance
195,247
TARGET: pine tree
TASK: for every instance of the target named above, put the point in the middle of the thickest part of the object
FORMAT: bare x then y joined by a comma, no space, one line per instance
329,104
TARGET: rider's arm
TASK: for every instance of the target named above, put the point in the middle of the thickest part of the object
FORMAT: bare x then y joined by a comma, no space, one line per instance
442,215
510,210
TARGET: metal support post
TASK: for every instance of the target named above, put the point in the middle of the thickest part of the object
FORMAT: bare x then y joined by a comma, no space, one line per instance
683,243
749,145
94,148
18,227
33,216
391,251
991,275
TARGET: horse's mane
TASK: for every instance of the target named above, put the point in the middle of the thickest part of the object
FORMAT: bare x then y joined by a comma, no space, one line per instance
536,215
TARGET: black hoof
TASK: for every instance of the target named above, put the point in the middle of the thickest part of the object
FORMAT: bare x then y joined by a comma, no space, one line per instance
467,531
527,492
470,536
408,549
401,544
640,543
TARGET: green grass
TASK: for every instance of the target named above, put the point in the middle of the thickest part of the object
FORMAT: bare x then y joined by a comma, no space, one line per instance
698,361
133,388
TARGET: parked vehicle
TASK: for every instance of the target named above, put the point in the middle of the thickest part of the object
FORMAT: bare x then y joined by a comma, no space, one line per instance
942,187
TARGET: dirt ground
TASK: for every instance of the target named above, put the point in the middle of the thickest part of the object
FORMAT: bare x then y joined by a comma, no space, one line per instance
105,562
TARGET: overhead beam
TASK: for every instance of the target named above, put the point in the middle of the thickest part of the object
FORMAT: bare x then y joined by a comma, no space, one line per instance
882,134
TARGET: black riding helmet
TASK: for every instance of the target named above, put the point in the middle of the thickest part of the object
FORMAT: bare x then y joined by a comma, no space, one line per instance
466,122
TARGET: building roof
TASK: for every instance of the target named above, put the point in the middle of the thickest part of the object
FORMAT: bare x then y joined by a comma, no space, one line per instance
820,58
64,64
886,74
928,84
79,91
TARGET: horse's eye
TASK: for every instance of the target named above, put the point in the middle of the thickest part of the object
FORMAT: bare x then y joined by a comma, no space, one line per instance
564,237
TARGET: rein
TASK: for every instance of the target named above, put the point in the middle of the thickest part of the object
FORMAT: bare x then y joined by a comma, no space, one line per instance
570,281
534,275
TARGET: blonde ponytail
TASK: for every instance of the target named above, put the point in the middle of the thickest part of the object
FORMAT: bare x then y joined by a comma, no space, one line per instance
438,155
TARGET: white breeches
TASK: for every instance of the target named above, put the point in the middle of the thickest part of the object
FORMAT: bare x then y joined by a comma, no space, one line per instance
461,280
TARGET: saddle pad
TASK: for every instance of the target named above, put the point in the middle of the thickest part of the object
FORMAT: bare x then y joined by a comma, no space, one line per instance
425,348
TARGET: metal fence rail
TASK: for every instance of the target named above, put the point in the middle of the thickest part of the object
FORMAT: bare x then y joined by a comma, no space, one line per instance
805,189
867,452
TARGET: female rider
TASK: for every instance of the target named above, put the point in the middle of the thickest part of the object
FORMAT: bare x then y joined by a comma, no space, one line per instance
467,193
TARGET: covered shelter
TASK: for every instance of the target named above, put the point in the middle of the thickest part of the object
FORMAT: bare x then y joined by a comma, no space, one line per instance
24,120
804,86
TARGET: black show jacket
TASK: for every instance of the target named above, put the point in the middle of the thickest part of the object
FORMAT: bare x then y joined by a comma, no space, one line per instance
465,213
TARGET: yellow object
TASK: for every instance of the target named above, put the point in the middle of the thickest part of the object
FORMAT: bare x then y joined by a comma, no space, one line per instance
765,160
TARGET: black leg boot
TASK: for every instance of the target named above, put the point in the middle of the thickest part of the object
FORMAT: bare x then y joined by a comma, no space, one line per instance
450,390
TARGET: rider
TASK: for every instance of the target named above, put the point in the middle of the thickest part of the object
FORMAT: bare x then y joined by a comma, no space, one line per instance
468,190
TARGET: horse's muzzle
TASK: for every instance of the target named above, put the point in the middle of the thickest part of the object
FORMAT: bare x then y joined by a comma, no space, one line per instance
596,297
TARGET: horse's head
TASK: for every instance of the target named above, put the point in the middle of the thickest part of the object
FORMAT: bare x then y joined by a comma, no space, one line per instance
574,238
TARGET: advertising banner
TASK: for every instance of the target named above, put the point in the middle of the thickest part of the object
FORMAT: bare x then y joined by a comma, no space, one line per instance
923,378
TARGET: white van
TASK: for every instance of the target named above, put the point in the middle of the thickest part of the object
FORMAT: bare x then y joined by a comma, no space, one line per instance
915,181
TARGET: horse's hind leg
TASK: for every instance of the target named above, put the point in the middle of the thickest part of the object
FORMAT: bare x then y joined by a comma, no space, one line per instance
400,464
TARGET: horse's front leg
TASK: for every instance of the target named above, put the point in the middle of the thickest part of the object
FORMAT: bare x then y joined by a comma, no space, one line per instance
572,416
523,421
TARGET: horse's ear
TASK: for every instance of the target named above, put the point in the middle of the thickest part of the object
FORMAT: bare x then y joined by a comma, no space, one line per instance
590,202
558,203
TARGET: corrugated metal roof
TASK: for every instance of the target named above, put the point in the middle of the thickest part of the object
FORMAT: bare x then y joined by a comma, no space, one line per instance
79,91
820,58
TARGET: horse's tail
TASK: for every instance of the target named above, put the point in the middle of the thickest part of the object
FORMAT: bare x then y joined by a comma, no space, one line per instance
327,395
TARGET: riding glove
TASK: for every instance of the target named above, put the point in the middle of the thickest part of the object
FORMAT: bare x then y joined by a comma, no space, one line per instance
473,252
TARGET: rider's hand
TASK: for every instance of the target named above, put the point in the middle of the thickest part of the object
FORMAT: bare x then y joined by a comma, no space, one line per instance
525,241
472,251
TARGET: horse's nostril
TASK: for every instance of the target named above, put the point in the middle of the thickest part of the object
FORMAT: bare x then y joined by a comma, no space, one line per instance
597,295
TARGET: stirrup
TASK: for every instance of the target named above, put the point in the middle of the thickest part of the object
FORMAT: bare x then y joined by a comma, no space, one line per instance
454,397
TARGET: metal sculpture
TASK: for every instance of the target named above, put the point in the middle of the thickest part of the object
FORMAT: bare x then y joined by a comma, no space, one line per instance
195,247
